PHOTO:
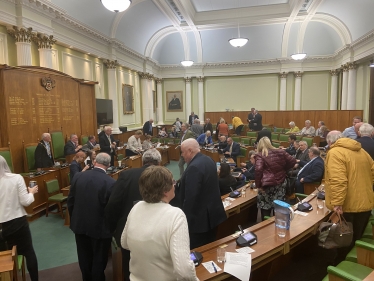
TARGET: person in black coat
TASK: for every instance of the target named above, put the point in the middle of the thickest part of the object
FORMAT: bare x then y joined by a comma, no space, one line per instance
291,150
124,194
248,169
199,195
226,180
250,118
43,153
72,146
91,143
147,128
107,144
256,121
234,147
263,133
192,118
89,194
76,164
208,126
222,144
367,143
311,171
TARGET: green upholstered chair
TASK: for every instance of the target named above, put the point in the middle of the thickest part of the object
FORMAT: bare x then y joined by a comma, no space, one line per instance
119,157
298,137
177,141
29,157
6,153
274,136
155,139
58,144
283,137
84,139
252,135
352,255
369,230
236,139
276,144
242,157
245,141
308,140
279,130
54,197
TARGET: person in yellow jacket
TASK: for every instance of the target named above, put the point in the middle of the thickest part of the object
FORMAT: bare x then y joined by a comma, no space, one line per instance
349,176
237,124
293,128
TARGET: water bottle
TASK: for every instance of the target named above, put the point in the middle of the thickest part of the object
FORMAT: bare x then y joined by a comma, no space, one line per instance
218,166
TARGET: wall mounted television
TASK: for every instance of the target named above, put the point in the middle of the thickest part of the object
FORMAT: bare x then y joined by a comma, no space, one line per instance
104,111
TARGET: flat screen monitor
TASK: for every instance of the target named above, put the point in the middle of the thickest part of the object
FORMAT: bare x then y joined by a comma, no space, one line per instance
104,111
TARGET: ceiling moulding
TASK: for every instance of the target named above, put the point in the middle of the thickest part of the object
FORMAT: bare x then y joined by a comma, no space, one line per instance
36,26
7,19
119,45
41,6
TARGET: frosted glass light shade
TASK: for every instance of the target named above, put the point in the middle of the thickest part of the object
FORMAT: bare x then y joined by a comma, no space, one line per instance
298,56
187,62
116,5
238,42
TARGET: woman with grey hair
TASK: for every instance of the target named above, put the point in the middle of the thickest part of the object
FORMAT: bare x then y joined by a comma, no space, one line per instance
308,130
293,128
14,228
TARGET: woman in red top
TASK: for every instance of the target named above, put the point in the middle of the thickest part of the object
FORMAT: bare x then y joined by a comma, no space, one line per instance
223,128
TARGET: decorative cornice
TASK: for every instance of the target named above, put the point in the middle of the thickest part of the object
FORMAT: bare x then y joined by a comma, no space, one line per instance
298,74
188,79
145,75
110,64
44,41
283,74
21,34
158,80
200,79
334,72
344,67
352,65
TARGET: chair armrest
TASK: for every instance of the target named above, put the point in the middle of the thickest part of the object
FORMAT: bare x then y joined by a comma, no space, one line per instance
301,195
332,270
365,253
365,245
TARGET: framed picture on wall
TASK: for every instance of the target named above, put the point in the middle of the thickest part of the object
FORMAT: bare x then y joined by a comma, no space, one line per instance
174,101
128,99
154,101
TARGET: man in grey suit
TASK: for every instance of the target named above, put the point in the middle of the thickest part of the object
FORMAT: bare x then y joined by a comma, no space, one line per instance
186,134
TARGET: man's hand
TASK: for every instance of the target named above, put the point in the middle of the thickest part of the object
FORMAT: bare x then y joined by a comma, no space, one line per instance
244,170
338,209
302,180
243,165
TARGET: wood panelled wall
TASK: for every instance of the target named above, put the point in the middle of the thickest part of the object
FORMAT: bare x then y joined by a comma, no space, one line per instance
334,119
28,109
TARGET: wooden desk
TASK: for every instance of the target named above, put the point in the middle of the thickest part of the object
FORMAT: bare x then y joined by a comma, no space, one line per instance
63,174
174,151
116,174
6,266
269,246
134,161
164,155
212,154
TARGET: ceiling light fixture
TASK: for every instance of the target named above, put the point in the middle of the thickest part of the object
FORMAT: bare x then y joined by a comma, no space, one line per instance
299,56
116,5
371,63
238,42
187,62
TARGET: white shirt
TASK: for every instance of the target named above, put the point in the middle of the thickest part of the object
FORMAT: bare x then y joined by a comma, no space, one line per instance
13,196
133,143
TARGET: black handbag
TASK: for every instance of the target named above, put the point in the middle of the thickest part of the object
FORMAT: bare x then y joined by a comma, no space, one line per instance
290,185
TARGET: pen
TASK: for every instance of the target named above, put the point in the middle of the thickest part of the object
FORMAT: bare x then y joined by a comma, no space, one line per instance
215,269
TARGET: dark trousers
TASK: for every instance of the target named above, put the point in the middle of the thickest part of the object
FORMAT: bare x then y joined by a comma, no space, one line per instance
238,130
21,238
200,239
299,187
92,256
126,264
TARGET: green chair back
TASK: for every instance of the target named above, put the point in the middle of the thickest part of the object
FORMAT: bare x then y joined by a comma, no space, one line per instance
30,157
283,137
236,139
119,157
177,141
252,142
8,158
68,178
309,141
52,186
279,130
84,140
243,152
58,143
245,141
299,137
274,136
155,139
276,144
252,134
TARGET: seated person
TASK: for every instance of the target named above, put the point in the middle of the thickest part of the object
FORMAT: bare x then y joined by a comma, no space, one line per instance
291,150
91,159
196,128
43,153
222,143
232,149
173,133
147,143
293,128
72,146
248,169
308,130
205,139
162,133
76,164
177,125
311,171
226,180
134,145
91,143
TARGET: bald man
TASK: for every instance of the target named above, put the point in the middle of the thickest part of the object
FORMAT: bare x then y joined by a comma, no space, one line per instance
199,195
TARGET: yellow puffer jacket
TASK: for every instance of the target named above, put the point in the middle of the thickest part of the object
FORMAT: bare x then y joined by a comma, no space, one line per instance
349,175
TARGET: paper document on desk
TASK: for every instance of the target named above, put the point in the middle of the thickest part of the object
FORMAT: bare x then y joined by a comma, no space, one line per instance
209,266
238,265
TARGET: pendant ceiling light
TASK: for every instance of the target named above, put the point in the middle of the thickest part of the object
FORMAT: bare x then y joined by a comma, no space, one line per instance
116,5
299,56
371,63
238,42
187,62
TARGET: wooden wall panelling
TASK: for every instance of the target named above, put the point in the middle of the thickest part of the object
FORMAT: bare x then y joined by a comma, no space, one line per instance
3,113
87,109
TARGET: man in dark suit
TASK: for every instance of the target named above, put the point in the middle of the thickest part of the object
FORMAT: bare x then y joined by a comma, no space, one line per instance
199,195
76,165
232,149
124,194
89,194
222,144
186,134
91,143
263,133
72,146
291,150
192,118
311,171
107,144
208,126
303,154
147,128
250,117
256,121
43,153
365,133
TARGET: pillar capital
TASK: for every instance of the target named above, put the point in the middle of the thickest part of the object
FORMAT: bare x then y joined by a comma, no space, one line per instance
111,64
146,75
22,34
158,80
44,41
283,74
200,79
334,72
188,79
298,74
352,65
344,67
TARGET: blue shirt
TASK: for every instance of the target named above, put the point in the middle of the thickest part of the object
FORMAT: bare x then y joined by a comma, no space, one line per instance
201,139
350,133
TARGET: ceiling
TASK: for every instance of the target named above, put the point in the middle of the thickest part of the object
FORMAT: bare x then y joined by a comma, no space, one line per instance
169,31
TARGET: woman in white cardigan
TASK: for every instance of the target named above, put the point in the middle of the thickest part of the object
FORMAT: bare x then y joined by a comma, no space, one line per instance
157,233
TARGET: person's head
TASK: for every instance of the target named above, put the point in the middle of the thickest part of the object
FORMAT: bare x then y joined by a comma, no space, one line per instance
232,117
148,137
103,160
91,154
207,121
333,136
313,152
323,128
222,121
296,144
196,121
307,123
251,156
356,119
256,111
208,133
229,141
177,119
156,184
175,95
292,124
4,168
138,134
303,145
150,121
184,127
253,110
46,137
151,157
357,127
192,113
91,138
320,123
74,138
291,138
80,156
163,128
225,170
189,148
264,145
222,138
366,130
108,130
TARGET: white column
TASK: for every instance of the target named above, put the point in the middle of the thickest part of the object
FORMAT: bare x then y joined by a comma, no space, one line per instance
160,106
23,42
150,96
188,97
45,44
334,89
112,91
283,91
351,99
297,100
45,58
200,90
144,93
344,88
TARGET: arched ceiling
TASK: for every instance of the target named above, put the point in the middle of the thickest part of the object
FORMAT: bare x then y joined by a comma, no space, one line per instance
169,31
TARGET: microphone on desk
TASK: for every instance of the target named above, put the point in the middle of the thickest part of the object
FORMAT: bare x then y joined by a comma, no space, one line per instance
240,228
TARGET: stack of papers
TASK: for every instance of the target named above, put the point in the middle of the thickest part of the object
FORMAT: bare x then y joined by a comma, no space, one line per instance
238,265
